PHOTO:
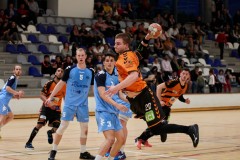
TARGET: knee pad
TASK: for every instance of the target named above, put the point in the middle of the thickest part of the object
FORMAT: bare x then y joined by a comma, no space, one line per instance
84,129
56,124
41,122
63,126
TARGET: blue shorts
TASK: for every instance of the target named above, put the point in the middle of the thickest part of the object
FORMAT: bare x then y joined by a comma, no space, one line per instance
107,121
81,113
4,109
125,115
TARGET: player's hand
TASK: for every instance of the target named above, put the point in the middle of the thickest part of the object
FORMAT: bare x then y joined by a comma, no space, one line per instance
187,101
48,101
148,36
19,94
111,91
121,107
162,103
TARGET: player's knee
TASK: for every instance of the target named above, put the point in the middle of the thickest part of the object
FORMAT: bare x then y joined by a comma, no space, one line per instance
84,129
110,140
56,124
63,126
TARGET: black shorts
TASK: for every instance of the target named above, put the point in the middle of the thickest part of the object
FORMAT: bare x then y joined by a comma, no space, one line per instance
147,106
167,111
49,116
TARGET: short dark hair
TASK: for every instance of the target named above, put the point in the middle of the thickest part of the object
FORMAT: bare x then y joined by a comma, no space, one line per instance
109,55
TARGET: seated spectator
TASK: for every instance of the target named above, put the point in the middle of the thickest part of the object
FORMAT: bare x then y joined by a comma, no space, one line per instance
106,49
75,35
85,36
158,47
12,34
171,20
33,10
173,32
182,32
157,64
133,28
104,28
89,62
99,63
129,12
193,82
236,17
98,9
151,78
198,49
107,9
97,49
65,51
67,62
166,67
3,17
236,34
11,13
200,83
23,15
175,67
190,48
140,33
158,19
46,67
168,47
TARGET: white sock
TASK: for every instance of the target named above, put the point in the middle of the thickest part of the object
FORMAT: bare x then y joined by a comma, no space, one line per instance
83,148
55,147
110,158
98,157
122,148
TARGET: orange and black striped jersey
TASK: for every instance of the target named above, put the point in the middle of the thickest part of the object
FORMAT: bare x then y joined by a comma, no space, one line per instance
48,88
129,62
174,90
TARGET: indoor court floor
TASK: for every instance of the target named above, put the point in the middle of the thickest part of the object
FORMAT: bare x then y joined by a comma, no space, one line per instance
219,139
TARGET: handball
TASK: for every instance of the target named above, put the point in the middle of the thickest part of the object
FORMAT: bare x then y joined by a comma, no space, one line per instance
155,30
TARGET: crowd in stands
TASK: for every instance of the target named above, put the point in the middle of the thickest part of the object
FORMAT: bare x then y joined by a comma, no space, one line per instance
162,54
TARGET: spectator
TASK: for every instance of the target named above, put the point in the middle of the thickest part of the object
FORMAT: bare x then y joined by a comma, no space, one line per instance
168,47
133,28
166,67
23,16
75,35
11,13
85,36
67,62
182,32
222,81
211,81
33,10
103,27
200,83
129,12
95,35
158,47
236,17
107,9
151,78
12,34
221,39
228,77
194,76
66,50
98,49
190,48
89,62
175,67
236,34
106,49
171,20
98,10
173,32
157,64
46,67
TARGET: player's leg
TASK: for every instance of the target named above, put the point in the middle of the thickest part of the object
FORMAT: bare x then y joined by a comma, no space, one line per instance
6,114
54,122
67,116
82,115
117,145
42,119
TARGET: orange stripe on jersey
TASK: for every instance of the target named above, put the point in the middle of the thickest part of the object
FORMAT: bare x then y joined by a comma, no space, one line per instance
173,91
128,62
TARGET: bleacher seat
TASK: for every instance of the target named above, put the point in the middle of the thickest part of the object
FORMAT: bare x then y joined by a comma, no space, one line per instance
41,20
53,39
33,59
203,62
234,53
69,29
235,45
181,52
22,59
61,30
22,49
33,48
88,22
129,23
217,63
110,41
230,45
12,49
52,30
60,20
31,29
50,20
78,21
24,38
41,28
205,72
43,38
122,24
33,38
54,48
33,71
188,64
69,21
63,39
215,71
42,48
49,12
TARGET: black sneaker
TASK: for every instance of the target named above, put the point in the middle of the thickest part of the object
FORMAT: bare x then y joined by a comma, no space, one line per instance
193,132
50,137
29,146
86,155
52,155
163,137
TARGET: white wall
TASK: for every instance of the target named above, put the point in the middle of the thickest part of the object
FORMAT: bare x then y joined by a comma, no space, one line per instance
72,8
32,105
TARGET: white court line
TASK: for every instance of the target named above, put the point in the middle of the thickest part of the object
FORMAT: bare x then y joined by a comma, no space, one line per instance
161,155
33,152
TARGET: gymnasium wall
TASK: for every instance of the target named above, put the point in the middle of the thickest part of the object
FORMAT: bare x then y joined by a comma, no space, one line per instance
29,107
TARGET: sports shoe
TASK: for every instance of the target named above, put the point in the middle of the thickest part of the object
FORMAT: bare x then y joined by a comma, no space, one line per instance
50,137
52,155
193,132
108,152
86,155
163,137
29,146
120,156
139,143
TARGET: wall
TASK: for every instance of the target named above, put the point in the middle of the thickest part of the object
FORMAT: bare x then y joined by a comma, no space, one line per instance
27,107
72,8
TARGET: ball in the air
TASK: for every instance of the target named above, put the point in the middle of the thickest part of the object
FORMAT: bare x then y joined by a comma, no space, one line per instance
155,30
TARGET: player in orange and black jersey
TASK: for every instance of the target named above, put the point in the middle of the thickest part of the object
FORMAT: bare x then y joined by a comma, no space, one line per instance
50,113
168,92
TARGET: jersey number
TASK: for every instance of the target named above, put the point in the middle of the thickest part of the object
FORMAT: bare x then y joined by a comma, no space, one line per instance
81,77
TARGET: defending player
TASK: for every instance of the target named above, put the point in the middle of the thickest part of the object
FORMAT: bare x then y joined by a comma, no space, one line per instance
107,109
78,79
7,92
167,93
50,113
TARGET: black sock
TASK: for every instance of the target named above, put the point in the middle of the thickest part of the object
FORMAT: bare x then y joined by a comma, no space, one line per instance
33,134
175,128
146,135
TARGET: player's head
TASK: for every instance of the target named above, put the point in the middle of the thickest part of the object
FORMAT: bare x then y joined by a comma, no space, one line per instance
81,56
17,70
59,73
122,42
185,75
109,61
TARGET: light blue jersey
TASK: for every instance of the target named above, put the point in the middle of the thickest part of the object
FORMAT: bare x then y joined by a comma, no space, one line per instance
5,96
77,89
104,79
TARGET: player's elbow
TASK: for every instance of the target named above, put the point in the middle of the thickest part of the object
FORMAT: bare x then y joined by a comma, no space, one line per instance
134,76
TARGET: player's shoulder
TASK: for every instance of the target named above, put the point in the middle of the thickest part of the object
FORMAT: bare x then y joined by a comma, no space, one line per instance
172,81
101,73
12,77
